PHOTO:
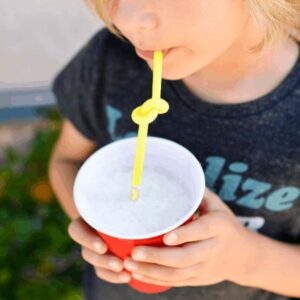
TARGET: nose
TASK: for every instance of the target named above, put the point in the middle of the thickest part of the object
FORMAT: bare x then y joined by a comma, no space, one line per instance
130,18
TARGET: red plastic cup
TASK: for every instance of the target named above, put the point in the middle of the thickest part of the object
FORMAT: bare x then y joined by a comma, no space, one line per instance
159,152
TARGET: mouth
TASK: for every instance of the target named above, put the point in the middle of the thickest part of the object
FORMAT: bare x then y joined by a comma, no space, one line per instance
148,54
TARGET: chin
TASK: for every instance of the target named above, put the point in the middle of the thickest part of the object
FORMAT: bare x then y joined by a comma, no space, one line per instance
176,73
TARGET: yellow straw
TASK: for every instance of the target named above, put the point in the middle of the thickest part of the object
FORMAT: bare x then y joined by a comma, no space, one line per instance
143,116
139,161
157,71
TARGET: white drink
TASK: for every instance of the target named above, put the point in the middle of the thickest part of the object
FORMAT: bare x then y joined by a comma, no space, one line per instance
171,189
163,201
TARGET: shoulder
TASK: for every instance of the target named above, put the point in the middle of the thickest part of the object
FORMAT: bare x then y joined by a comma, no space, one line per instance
103,42
111,62
103,55
101,71
118,56
106,48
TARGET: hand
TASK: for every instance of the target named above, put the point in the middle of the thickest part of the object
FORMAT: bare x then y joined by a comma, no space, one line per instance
210,249
107,267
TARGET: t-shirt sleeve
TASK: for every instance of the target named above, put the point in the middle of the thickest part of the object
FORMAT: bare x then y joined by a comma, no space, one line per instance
75,86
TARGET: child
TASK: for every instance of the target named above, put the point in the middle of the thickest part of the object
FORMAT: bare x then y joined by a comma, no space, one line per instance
231,75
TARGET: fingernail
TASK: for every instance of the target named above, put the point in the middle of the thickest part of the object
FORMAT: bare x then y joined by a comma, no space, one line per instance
139,255
115,265
171,238
124,277
99,246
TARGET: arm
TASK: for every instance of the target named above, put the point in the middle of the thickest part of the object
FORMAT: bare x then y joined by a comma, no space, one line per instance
277,266
69,153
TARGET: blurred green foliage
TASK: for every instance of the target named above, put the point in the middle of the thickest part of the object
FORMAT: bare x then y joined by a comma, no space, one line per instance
38,260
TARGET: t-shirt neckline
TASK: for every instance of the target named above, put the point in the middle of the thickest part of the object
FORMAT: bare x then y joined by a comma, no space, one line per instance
260,104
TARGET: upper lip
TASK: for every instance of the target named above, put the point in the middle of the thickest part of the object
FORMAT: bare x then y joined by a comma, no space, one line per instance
163,50
136,45
152,49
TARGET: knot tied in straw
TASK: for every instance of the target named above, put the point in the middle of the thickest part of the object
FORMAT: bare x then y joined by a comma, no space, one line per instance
143,115
148,112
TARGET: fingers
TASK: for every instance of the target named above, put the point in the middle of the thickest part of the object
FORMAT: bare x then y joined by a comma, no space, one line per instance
207,226
84,235
178,283
113,277
167,274
200,229
107,267
106,261
177,257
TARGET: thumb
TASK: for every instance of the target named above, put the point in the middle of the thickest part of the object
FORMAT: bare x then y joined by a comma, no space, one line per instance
212,202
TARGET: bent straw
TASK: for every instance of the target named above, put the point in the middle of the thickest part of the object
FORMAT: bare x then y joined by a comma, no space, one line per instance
143,115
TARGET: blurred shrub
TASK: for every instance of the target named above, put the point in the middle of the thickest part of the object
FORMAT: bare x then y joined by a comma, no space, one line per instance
38,260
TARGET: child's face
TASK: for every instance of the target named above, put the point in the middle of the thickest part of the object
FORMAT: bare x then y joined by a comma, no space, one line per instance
199,30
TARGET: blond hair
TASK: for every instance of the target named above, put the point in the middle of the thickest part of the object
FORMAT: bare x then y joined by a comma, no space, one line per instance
277,17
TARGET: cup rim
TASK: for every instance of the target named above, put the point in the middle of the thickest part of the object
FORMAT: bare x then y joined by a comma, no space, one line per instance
157,233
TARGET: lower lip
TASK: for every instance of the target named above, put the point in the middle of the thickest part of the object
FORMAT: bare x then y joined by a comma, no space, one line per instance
149,54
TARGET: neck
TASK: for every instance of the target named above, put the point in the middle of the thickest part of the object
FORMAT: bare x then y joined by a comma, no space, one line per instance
240,76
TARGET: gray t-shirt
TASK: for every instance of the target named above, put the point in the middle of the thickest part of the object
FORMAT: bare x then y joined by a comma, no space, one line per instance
250,152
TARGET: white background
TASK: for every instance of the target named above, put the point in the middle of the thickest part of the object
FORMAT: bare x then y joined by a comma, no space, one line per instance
37,37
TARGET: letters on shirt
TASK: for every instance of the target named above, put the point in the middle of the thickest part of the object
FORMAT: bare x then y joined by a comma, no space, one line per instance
256,194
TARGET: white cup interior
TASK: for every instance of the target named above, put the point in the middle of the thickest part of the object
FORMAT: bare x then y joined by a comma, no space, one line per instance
161,153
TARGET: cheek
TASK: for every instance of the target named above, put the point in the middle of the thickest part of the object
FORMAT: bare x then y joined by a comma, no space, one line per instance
181,63
202,46
216,38
185,61
216,25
